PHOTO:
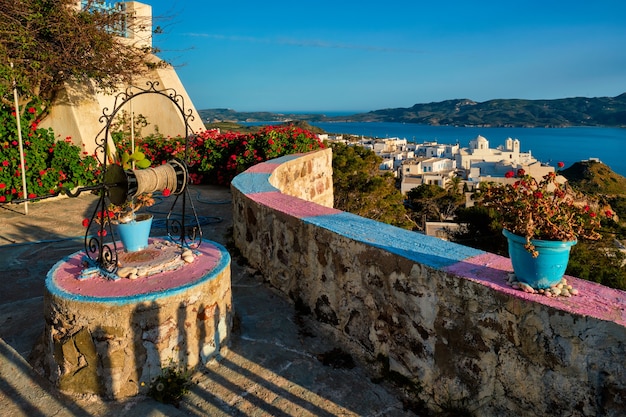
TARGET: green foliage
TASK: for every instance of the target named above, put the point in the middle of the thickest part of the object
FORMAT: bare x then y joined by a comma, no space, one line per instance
215,157
49,164
595,177
599,262
51,42
171,385
220,157
480,230
430,202
360,188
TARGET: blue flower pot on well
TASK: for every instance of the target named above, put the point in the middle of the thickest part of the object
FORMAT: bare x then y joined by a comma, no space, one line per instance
134,234
545,270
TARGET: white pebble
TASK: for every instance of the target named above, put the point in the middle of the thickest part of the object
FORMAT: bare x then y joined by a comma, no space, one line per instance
574,291
188,259
133,276
127,271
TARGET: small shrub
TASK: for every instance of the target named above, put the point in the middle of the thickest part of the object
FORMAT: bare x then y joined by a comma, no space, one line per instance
171,385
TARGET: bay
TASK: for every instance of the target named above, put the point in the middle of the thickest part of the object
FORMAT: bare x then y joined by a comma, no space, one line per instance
548,145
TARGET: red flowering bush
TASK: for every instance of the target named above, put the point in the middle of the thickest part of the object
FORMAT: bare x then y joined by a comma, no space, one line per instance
544,209
49,164
223,156
215,157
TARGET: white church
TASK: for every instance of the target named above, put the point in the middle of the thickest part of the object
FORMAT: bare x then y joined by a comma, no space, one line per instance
479,162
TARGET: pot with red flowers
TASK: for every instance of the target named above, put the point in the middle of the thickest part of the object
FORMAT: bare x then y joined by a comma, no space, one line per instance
541,219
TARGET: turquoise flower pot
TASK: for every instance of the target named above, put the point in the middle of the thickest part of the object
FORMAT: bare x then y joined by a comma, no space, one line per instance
134,234
545,270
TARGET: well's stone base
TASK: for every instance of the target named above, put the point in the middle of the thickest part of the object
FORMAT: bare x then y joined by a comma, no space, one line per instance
111,338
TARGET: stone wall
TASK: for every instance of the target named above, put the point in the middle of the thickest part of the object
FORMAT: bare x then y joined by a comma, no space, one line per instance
438,314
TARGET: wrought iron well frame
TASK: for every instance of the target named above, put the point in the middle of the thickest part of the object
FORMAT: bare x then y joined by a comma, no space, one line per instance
102,248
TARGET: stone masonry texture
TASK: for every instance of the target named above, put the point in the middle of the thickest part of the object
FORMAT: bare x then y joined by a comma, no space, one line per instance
435,314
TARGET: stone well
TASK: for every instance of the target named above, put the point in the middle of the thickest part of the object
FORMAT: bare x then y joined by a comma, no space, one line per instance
111,338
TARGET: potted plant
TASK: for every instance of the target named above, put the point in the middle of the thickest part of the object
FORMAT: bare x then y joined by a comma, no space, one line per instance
542,220
133,228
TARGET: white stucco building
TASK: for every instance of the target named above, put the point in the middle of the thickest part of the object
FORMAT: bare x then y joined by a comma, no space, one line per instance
480,161
425,170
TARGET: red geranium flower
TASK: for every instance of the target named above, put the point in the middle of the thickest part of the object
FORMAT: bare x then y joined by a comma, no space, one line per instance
85,222
166,192
509,174
560,164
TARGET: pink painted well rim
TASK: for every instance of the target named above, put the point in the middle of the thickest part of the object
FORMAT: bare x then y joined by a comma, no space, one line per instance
61,280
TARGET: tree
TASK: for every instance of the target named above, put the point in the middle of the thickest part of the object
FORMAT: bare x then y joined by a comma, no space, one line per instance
361,189
455,185
430,202
598,261
479,230
51,42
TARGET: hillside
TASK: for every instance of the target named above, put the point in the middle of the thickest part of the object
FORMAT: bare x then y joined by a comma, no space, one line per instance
577,111
595,178
230,115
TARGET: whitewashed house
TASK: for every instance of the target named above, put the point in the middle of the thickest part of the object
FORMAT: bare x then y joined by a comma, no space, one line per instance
418,171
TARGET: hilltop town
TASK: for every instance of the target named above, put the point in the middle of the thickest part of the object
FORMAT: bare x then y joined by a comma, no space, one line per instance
415,164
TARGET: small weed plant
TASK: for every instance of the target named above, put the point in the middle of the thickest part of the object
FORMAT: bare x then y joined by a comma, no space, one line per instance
171,385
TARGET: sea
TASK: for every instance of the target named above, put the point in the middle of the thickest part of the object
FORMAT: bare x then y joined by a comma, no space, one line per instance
548,145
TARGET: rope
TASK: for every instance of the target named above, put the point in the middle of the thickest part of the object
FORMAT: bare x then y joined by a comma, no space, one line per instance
155,179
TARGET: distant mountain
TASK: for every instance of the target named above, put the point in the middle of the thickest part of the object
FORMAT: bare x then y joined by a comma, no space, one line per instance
229,115
576,111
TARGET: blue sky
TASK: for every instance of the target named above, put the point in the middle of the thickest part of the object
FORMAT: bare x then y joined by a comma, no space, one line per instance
365,55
